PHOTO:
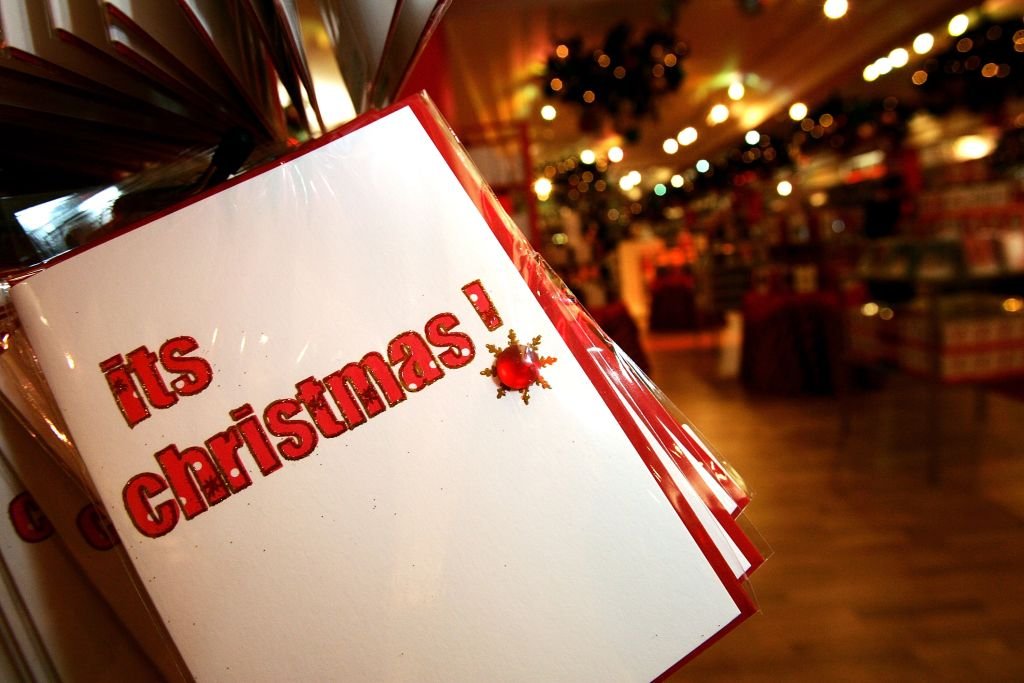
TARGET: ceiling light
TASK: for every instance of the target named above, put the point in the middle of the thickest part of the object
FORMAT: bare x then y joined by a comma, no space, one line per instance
899,57
958,25
834,9
718,114
923,43
687,136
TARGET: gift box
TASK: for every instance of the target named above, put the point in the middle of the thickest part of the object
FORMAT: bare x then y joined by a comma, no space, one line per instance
965,338
348,426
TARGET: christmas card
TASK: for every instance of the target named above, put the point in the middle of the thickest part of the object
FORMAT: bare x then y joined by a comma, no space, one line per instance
348,427
56,627
54,503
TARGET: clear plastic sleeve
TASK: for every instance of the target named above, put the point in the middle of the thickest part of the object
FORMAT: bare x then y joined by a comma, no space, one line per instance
498,480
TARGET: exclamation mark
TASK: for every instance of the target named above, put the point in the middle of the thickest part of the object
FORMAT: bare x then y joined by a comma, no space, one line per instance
483,305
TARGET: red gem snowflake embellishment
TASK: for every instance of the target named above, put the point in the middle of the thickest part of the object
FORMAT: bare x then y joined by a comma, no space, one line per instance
517,367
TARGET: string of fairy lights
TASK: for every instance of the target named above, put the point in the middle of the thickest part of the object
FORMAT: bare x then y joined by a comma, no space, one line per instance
969,48
620,82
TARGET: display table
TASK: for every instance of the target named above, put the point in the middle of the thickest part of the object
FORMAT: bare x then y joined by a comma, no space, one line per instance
956,332
673,304
791,343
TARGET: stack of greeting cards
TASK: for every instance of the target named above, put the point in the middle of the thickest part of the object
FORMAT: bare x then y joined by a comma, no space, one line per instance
346,425
93,92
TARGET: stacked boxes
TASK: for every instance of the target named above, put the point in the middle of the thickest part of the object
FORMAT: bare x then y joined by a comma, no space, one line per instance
970,338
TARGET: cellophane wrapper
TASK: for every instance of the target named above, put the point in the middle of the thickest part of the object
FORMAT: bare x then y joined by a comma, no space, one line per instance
704,495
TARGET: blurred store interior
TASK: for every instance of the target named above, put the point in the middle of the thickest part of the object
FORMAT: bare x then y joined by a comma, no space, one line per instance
805,220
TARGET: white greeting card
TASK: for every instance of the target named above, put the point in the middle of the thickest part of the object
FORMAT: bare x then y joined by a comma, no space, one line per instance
57,627
277,392
85,536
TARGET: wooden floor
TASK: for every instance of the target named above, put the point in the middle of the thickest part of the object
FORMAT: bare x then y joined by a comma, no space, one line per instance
876,575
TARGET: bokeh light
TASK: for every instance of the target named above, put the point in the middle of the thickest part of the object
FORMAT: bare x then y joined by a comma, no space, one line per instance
924,43
835,9
899,57
718,114
542,188
687,136
958,25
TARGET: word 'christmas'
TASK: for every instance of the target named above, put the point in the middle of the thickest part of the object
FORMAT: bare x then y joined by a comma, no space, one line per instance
287,429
